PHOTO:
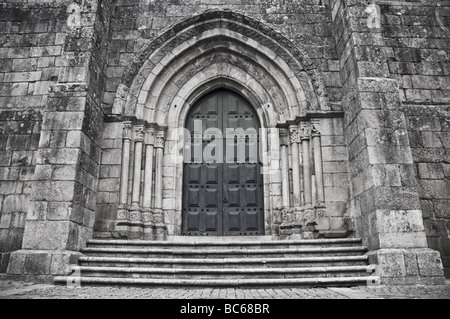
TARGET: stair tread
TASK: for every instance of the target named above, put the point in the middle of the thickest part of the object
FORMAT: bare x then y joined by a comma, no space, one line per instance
223,242
220,282
366,268
224,251
221,260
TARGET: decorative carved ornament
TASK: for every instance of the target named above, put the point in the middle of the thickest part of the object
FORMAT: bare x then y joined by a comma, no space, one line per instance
284,137
127,130
139,133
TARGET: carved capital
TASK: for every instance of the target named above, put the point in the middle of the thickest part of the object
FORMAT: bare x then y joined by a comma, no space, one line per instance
314,131
139,133
127,130
284,137
150,135
305,130
160,138
293,134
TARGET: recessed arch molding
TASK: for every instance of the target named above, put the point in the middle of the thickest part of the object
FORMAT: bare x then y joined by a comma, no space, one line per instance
291,75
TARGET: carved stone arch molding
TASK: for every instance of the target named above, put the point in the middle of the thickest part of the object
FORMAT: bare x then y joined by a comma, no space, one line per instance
226,47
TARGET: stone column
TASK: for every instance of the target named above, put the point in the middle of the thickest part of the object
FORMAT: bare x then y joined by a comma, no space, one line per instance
318,165
294,139
309,215
158,212
284,142
305,130
135,209
121,229
147,217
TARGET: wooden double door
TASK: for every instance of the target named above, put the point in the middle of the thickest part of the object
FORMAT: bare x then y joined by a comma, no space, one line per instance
222,182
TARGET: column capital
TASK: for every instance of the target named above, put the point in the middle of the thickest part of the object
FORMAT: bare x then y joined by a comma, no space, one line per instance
293,134
305,130
139,133
284,136
127,130
161,136
314,131
150,134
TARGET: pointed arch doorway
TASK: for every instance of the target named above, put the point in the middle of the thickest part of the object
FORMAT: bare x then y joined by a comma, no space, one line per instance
222,180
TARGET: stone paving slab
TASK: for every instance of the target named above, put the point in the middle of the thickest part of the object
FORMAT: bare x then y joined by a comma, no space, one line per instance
23,290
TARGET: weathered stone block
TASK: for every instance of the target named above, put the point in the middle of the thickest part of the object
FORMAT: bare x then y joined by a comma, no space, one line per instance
112,156
59,211
399,240
61,261
431,171
54,191
391,262
431,139
389,155
418,96
58,156
436,228
37,264
434,189
47,235
442,209
5,158
429,262
63,120
391,221
37,211
65,173
412,267
15,203
16,263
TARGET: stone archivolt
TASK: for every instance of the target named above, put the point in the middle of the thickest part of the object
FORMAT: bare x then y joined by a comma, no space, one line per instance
220,49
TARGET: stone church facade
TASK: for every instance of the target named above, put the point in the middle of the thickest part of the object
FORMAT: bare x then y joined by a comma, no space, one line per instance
349,99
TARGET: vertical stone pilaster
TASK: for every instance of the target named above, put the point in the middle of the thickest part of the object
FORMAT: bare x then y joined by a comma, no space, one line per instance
139,133
135,229
284,142
158,212
318,166
305,136
294,139
123,219
147,216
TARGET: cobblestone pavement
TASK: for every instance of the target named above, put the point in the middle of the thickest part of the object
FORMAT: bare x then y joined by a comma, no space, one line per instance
22,290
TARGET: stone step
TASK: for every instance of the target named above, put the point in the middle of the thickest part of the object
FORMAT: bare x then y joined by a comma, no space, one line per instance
225,273
220,263
236,283
224,253
215,243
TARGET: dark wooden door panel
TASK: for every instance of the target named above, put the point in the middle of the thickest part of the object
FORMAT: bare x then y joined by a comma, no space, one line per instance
223,195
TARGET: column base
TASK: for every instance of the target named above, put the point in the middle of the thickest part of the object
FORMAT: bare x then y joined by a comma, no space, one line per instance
160,225
148,228
122,223
408,266
40,265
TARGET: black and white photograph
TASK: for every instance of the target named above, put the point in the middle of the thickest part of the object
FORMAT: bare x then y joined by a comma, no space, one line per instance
225,158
